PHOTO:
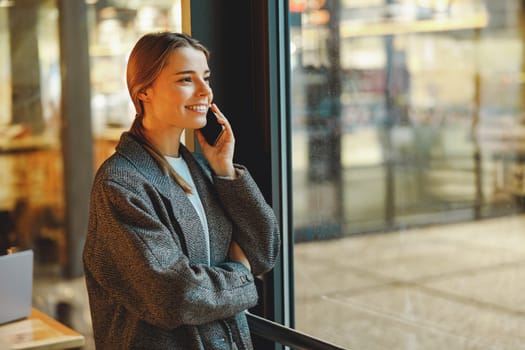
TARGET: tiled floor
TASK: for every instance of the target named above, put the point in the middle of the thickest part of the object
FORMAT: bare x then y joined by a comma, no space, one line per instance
452,287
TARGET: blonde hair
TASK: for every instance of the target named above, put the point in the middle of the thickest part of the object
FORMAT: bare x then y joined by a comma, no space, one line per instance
146,61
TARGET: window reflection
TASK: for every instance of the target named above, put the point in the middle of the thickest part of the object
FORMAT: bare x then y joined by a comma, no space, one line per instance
405,114
114,28
31,203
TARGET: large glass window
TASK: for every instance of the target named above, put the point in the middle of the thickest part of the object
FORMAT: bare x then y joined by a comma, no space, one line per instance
31,186
407,134
114,27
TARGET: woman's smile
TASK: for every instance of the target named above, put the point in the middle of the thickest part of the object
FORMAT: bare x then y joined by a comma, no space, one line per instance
202,108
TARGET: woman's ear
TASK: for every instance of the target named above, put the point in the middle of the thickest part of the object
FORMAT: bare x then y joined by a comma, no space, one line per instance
143,96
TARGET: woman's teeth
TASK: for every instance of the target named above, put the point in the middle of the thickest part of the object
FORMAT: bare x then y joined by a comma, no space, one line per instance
198,108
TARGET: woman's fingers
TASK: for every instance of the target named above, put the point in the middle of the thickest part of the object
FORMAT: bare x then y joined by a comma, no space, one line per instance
221,119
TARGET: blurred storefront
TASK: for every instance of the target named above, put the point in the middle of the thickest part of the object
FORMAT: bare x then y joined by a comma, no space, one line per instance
405,113
407,116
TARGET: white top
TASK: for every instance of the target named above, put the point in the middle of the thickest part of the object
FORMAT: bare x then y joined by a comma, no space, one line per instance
182,169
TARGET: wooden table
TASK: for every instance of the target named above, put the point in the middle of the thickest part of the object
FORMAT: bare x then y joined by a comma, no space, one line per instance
38,331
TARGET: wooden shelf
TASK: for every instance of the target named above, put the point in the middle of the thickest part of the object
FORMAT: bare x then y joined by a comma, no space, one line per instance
361,29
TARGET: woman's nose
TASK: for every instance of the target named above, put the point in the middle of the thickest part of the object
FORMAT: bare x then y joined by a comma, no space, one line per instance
205,88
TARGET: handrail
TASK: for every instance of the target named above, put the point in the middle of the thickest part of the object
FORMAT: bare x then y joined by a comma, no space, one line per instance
286,336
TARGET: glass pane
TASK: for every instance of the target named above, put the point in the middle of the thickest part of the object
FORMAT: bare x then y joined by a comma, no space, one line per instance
31,184
114,27
408,172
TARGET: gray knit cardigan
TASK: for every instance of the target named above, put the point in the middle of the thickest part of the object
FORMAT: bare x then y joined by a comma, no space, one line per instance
148,282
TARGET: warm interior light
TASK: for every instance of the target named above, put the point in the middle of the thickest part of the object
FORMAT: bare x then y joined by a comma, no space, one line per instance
6,3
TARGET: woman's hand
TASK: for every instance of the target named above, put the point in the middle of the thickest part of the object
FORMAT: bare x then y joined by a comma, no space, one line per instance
237,254
220,156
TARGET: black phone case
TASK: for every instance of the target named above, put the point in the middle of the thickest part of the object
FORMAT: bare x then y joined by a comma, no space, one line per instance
212,130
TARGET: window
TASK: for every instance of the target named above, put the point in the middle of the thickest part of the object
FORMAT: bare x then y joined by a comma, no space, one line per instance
114,27
31,185
406,134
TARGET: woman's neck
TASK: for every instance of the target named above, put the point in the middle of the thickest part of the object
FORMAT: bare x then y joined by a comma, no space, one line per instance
166,141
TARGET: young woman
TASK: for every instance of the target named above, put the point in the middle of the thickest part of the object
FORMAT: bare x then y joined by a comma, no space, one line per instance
174,238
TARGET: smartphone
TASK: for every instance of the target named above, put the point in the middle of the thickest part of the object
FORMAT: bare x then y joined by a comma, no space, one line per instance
212,130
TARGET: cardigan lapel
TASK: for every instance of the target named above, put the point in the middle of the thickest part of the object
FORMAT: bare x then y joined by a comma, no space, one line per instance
186,217
219,226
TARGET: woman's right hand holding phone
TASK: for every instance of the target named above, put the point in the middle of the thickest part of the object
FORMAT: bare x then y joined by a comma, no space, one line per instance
220,155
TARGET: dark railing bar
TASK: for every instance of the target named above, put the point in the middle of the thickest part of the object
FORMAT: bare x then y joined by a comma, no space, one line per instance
286,336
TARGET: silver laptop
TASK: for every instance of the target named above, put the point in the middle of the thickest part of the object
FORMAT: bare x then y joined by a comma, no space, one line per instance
16,285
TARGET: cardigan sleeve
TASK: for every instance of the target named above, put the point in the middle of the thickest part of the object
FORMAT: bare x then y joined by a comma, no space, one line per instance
139,262
256,227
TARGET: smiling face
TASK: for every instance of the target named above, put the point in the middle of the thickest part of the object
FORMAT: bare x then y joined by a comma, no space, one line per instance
180,95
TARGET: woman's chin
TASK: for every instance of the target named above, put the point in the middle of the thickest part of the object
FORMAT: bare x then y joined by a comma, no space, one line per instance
201,123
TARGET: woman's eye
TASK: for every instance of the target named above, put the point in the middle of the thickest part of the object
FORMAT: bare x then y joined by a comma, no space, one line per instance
190,79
